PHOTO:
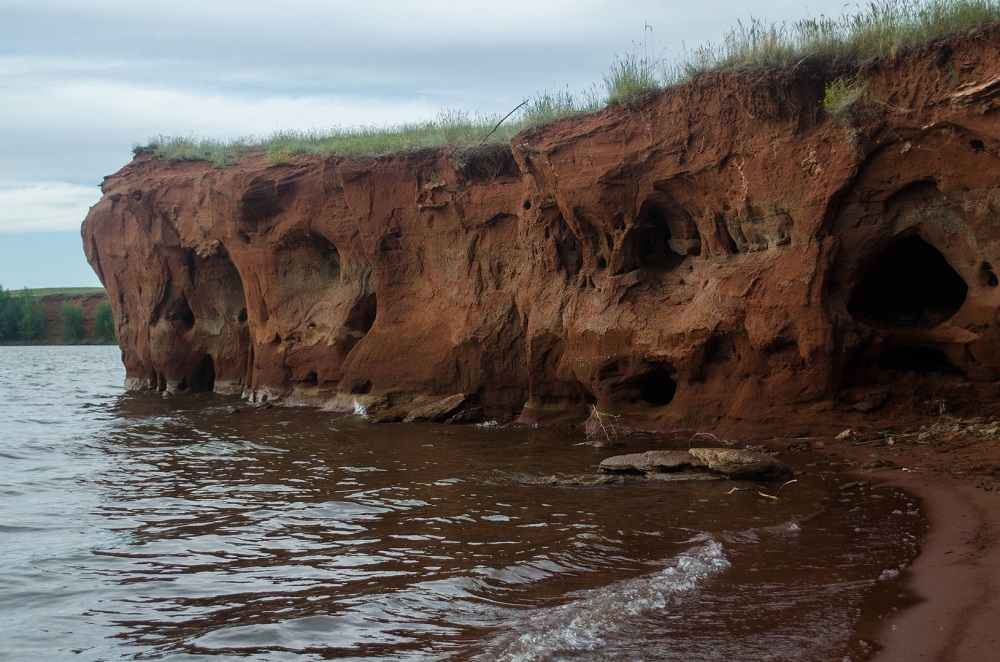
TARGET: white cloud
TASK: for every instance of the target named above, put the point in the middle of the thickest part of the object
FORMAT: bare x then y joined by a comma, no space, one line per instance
44,206
81,82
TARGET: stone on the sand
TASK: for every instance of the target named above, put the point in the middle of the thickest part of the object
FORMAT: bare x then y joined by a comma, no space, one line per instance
742,464
650,462
439,410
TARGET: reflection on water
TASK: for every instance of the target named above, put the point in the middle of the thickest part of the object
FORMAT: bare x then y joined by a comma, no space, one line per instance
136,526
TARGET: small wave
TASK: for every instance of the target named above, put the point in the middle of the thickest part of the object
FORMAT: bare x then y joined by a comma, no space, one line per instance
360,409
582,624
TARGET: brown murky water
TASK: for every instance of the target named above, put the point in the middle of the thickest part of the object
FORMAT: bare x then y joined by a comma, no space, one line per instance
141,527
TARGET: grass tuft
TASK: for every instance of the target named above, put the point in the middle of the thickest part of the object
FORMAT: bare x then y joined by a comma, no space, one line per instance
630,77
881,28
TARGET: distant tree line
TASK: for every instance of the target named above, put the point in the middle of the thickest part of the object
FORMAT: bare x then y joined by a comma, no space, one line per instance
22,318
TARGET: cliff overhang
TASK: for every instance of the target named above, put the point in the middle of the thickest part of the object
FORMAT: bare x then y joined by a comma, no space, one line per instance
722,252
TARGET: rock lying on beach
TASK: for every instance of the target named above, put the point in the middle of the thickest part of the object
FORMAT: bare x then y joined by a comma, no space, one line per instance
742,464
650,462
728,462
439,410
436,411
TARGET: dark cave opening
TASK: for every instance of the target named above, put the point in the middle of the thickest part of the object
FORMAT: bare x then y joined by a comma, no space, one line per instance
363,388
203,380
656,387
917,360
180,313
654,242
909,284
311,379
361,316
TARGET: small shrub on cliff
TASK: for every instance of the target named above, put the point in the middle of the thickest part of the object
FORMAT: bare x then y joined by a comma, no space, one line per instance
845,100
72,315
104,322
32,324
10,316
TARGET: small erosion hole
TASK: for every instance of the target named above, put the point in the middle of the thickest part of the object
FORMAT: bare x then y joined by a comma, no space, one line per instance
362,388
986,275
917,360
180,313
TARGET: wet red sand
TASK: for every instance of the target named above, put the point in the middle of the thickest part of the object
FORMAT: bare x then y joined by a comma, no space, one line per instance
953,467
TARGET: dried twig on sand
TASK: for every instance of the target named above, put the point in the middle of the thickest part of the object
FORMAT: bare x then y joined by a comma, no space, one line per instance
763,494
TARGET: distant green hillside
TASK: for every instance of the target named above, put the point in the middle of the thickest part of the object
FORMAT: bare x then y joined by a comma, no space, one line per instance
56,316
65,291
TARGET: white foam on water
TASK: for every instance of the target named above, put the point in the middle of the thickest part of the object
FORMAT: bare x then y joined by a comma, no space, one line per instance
360,409
583,623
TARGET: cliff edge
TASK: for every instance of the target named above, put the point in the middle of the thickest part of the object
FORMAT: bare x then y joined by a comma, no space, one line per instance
724,252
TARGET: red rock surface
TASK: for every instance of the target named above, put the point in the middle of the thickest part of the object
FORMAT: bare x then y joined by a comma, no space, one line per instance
720,253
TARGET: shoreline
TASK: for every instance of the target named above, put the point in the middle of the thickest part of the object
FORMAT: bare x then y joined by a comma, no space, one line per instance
955,578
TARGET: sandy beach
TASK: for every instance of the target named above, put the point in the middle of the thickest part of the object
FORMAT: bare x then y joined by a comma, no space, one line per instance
954,469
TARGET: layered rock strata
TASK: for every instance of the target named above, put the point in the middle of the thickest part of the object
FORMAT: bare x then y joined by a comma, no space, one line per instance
722,251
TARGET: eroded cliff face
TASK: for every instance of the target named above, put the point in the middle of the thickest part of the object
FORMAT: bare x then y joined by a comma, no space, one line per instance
719,252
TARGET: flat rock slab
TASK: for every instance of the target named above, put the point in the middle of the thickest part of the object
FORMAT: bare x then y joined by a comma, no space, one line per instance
650,462
439,410
728,462
742,464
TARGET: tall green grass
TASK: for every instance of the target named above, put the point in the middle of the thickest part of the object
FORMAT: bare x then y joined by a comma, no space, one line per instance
449,128
881,28
632,76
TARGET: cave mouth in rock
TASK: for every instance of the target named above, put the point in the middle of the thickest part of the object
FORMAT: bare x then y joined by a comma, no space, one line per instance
654,387
657,388
203,380
918,360
180,314
655,245
909,284
361,317
655,250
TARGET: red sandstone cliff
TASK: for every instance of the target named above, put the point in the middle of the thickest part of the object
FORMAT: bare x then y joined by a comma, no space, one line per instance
721,251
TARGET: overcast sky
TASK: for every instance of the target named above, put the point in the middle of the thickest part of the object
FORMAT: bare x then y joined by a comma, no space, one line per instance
82,81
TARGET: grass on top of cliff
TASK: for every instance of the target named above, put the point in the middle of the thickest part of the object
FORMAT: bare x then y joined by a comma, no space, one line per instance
449,128
882,28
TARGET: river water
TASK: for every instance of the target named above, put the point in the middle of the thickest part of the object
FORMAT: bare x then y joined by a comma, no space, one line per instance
134,526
